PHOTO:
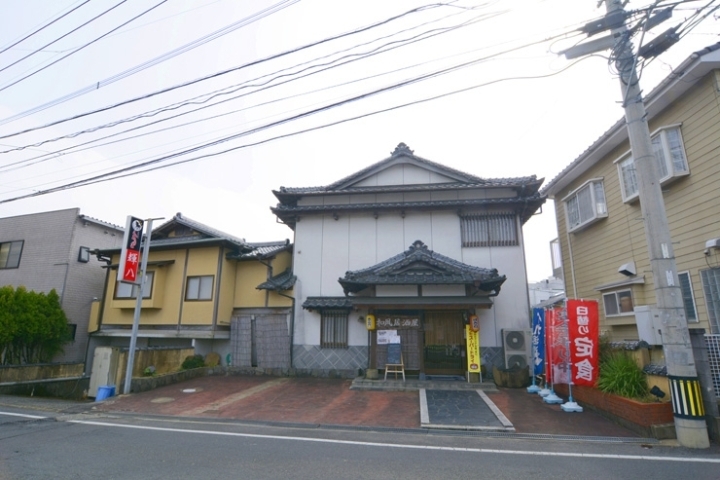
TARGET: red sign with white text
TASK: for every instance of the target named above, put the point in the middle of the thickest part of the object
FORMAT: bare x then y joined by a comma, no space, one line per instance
584,332
130,254
556,346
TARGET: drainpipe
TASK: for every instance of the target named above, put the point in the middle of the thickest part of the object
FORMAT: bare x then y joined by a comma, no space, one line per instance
292,325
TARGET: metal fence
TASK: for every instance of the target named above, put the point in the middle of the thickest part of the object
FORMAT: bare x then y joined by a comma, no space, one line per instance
713,346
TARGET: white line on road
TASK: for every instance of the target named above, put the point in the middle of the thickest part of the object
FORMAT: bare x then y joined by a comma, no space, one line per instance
21,415
410,447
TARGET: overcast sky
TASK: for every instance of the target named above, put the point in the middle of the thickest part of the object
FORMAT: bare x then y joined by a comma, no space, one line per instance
270,104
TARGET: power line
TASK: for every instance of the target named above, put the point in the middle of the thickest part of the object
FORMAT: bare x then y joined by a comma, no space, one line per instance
273,77
157,60
83,46
42,28
223,72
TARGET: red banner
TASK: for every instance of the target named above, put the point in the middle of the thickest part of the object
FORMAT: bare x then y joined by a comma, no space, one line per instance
556,346
130,253
584,333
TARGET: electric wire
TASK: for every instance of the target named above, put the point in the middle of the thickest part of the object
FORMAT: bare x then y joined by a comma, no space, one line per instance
155,61
42,28
275,76
224,72
128,171
63,36
5,87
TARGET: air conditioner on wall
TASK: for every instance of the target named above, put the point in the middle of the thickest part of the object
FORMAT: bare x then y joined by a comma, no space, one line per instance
517,347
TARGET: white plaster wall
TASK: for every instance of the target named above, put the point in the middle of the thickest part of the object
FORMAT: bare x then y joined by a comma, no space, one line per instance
363,241
445,237
416,226
443,290
335,253
396,291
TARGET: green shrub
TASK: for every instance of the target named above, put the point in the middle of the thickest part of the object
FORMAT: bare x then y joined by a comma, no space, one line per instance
193,361
619,374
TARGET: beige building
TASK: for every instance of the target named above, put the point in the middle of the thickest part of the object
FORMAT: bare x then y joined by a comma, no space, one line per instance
204,289
601,233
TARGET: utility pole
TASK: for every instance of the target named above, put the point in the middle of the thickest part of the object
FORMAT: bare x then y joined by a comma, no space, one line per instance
685,387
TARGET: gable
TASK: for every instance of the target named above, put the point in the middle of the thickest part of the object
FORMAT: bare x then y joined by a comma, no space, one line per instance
402,173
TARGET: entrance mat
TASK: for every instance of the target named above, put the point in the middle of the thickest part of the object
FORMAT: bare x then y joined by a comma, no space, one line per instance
461,409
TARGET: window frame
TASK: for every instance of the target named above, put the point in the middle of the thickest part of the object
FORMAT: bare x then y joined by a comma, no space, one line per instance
341,326
688,296
10,254
712,297
617,295
598,213
200,279
148,285
489,230
625,164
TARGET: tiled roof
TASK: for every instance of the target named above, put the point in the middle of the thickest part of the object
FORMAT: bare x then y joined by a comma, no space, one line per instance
676,83
86,218
402,151
179,219
327,303
419,265
526,205
263,250
281,282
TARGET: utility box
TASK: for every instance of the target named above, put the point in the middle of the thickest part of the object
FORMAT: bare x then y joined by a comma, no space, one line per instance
649,324
104,369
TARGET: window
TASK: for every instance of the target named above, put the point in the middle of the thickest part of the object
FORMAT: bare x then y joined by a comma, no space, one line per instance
711,286
199,288
556,258
687,296
618,303
128,290
72,330
10,254
585,205
498,230
334,329
671,162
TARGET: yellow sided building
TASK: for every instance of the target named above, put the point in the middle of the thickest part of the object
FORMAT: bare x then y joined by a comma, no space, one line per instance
206,290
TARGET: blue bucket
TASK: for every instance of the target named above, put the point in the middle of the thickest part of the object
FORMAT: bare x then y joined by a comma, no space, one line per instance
104,392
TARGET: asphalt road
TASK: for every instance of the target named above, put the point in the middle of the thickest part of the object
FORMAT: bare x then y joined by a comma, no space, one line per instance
109,446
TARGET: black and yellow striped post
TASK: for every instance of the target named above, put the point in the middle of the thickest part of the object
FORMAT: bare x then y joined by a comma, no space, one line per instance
687,399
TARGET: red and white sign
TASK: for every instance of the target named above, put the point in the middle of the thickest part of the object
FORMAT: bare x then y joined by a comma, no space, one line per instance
584,332
130,254
556,346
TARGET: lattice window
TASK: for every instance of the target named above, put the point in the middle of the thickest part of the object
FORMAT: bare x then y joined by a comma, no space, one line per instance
713,346
499,230
334,329
711,287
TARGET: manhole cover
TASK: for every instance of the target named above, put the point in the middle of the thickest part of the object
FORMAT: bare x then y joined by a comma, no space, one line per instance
162,400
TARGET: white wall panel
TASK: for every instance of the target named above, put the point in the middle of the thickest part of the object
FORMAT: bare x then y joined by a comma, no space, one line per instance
413,175
335,254
417,226
444,195
396,291
391,176
443,290
363,241
390,239
446,235
438,178
416,197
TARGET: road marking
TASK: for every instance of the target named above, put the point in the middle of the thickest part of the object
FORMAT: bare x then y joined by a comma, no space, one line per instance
424,414
500,415
22,415
405,446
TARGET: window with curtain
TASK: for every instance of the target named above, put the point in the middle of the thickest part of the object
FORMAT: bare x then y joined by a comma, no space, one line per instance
670,157
334,329
585,205
496,230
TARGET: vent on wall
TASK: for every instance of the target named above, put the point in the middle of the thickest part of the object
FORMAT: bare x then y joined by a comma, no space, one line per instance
517,347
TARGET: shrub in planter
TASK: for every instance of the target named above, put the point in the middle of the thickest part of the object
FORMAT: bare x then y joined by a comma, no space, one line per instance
619,374
193,361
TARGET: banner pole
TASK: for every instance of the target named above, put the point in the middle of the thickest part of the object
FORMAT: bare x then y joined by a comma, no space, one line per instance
570,405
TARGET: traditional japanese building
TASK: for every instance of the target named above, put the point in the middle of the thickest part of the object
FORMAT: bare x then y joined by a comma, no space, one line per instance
418,247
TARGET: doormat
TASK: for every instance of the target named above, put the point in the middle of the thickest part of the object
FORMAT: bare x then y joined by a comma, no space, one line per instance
452,378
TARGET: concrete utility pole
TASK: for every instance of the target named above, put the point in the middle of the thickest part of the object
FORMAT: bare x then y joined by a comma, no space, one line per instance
685,388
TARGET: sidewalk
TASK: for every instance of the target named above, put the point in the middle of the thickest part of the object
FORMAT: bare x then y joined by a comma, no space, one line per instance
322,401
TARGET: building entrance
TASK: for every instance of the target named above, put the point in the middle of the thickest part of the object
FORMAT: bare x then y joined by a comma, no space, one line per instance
444,346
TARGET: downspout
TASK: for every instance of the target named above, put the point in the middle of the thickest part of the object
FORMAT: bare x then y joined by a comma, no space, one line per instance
216,303
292,325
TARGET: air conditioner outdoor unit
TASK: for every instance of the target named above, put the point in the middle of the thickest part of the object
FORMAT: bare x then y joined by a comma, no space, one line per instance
517,348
